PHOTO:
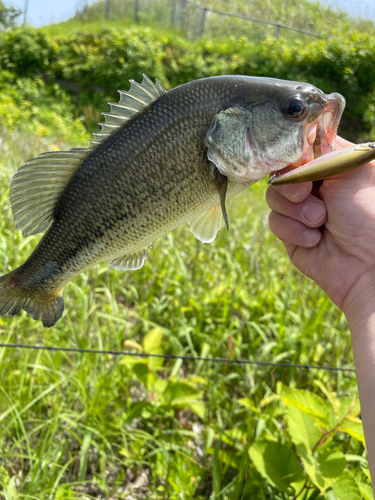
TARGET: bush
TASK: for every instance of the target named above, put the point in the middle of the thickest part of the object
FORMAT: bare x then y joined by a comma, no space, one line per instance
93,66
38,108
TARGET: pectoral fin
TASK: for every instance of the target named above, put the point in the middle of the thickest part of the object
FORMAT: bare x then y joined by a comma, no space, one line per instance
221,183
206,225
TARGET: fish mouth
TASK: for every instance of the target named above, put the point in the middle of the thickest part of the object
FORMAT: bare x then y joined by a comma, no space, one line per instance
319,135
327,125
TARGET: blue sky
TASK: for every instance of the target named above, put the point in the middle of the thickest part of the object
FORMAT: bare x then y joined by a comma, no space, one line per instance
42,12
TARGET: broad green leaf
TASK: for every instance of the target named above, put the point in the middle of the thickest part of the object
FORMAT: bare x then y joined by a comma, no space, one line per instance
180,391
276,463
354,428
303,429
366,491
311,405
324,469
332,398
331,464
181,394
331,495
160,385
366,472
197,407
152,344
346,488
141,371
152,340
349,407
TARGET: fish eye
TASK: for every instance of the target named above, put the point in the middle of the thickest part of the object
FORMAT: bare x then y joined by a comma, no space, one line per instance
295,108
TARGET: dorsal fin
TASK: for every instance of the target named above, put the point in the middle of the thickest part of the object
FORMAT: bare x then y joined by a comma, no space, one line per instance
132,102
37,185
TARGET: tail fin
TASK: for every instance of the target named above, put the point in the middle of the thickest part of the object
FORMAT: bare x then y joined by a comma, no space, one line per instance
13,299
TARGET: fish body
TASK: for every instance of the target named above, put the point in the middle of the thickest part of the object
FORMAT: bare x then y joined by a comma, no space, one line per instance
328,165
162,159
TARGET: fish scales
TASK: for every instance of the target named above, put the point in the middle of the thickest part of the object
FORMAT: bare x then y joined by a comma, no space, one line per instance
150,175
120,200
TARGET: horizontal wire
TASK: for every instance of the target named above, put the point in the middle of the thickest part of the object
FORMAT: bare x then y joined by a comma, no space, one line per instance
180,356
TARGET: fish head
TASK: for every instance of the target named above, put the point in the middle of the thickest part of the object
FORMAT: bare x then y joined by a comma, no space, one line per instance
285,123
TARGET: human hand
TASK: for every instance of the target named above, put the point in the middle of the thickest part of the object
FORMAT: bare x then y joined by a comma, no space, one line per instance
340,255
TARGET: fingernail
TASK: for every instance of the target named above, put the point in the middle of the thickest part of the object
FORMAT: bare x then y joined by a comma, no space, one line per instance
292,190
311,237
313,212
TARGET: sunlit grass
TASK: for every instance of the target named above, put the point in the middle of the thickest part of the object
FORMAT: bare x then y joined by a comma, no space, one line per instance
95,426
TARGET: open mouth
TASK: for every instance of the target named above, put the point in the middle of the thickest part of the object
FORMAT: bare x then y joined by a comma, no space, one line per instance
319,136
327,125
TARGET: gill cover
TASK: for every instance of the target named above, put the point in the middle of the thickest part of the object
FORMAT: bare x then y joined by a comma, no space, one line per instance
228,145
247,143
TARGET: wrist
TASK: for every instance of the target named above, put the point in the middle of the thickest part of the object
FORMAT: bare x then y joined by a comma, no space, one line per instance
359,304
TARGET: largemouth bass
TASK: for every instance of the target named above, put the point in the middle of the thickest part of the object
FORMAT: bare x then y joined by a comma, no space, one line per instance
161,159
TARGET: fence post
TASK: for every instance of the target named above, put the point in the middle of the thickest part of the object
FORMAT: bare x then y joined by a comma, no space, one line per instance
174,14
203,22
107,8
25,13
277,32
136,13
183,14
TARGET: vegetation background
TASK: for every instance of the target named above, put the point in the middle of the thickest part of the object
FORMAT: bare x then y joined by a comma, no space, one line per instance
97,426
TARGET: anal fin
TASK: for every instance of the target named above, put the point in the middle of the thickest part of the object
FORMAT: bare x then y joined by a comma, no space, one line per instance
130,261
205,226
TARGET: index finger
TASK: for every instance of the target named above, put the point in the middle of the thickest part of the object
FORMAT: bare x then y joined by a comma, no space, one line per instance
294,192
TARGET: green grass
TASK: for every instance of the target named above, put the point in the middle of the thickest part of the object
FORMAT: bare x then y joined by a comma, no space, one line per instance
302,14
84,425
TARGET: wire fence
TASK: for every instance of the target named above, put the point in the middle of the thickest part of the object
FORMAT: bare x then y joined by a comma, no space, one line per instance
182,357
206,17
195,19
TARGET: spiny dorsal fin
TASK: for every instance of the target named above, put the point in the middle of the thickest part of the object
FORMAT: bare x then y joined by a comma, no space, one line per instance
132,102
130,261
37,186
